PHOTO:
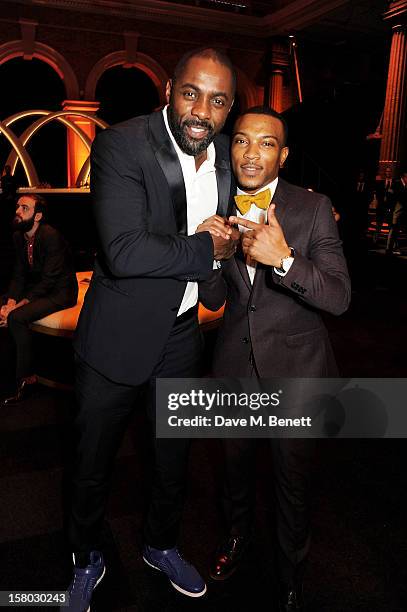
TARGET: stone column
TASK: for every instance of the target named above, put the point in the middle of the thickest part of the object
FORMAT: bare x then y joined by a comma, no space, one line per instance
394,117
276,89
278,62
77,153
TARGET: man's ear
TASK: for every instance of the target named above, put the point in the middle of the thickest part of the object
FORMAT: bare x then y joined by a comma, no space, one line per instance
168,89
283,155
38,217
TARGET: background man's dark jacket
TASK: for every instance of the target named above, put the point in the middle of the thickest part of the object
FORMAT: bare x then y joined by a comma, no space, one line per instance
52,275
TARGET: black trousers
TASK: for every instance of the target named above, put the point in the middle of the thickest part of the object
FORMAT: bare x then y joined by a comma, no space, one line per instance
291,469
18,323
397,222
292,462
104,408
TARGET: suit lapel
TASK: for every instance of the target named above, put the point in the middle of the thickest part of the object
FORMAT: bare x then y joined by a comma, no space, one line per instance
37,244
224,178
281,202
168,160
226,205
240,260
282,208
223,182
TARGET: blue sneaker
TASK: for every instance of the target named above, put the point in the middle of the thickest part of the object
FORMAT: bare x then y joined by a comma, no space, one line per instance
182,575
84,582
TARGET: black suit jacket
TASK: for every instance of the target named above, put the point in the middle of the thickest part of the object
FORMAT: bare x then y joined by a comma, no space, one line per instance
52,275
400,193
278,318
146,258
360,199
386,197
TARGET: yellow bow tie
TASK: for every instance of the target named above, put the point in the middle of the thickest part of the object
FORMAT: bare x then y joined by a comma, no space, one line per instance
261,200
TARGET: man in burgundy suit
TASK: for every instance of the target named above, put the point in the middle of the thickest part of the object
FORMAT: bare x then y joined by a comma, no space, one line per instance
286,272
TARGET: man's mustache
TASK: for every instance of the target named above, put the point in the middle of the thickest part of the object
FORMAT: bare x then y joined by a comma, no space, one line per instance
196,123
251,166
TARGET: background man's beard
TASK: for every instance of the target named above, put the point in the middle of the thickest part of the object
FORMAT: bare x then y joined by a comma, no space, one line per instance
189,145
23,226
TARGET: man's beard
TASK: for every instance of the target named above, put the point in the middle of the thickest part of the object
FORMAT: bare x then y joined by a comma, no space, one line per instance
23,226
250,188
188,145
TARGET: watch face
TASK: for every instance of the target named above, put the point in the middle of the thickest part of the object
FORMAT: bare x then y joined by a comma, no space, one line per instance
287,261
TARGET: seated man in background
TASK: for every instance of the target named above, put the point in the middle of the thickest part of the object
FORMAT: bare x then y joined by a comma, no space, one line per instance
43,282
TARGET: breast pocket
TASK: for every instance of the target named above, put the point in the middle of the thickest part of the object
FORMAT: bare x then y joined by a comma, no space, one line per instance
308,337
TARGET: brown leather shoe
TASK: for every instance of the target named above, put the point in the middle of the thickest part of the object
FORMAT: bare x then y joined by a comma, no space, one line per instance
24,391
228,557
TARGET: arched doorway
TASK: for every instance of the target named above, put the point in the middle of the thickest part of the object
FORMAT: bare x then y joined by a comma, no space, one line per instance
35,84
124,93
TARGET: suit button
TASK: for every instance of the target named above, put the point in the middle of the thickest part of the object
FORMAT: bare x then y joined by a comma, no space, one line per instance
245,340
252,308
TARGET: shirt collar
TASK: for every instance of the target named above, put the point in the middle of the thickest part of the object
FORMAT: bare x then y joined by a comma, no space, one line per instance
272,186
207,165
32,238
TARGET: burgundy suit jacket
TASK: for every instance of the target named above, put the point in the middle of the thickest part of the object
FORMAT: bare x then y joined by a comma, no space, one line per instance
279,318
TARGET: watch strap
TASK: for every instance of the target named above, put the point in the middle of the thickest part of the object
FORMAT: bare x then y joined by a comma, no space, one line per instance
281,268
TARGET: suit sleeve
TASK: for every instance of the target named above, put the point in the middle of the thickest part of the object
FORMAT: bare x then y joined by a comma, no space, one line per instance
16,287
212,292
121,209
321,278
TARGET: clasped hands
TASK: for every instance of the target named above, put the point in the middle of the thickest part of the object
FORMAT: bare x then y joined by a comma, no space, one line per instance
225,237
264,243
5,311
9,307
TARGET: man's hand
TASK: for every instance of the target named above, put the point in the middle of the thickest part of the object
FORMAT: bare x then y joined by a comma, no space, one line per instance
5,311
226,248
216,226
224,236
264,243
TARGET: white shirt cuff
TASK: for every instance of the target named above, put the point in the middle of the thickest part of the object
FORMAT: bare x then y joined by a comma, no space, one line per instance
288,264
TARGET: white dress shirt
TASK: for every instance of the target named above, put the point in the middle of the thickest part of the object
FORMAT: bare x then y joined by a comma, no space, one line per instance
202,200
258,215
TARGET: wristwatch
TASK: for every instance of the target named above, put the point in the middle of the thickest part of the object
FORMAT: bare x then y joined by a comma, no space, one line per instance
286,262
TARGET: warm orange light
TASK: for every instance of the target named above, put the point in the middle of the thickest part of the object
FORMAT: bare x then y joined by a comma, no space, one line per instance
80,124
77,150
21,153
